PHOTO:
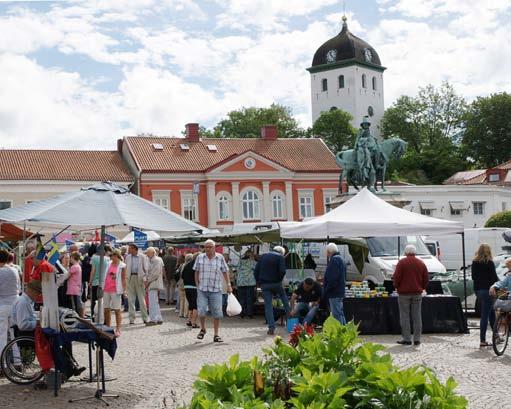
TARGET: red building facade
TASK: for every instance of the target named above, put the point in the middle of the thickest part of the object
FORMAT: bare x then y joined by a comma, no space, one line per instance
221,182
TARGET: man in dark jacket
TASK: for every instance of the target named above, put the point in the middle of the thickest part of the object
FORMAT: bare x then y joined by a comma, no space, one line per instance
410,280
169,264
334,282
269,273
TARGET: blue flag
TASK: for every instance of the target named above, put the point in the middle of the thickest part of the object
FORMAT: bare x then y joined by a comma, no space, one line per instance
53,254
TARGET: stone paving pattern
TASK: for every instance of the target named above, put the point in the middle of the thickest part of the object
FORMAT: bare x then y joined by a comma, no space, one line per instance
156,366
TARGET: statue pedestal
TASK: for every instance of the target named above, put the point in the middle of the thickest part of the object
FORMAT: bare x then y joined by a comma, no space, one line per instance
392,198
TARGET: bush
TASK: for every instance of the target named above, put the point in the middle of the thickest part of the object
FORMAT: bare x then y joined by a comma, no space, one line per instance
501,219
334,369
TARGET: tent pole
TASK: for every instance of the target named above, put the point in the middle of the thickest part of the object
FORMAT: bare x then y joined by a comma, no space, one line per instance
464,270
398,247
99,315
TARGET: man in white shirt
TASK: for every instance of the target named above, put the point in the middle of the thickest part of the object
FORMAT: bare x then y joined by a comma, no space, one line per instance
210,269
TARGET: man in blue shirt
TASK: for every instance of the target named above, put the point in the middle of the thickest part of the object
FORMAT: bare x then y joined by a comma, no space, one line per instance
505,282
269,272
334,282
23,315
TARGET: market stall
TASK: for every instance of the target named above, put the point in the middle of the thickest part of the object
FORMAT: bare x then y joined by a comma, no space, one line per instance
367,215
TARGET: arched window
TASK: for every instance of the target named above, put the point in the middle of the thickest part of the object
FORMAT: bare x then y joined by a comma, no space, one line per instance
250,205
341,81
374,83
324,84
223,201
278,206
364,84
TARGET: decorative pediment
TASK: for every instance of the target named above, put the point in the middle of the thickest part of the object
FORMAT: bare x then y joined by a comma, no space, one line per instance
250,162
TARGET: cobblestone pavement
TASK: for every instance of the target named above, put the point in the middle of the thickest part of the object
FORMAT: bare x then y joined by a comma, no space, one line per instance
156,366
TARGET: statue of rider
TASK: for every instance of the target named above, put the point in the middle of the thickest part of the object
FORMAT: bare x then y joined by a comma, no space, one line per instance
367,152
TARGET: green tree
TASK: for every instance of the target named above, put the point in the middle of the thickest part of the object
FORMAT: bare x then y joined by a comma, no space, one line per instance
501,219
431,123
335,129
247,123
487,137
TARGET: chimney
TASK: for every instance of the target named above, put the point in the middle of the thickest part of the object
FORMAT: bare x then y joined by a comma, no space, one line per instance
192,132
269,132
119,145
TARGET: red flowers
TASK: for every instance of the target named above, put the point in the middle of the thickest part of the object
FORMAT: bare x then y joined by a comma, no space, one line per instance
300,332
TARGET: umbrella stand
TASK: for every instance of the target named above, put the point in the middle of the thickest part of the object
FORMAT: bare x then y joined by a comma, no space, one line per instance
100,389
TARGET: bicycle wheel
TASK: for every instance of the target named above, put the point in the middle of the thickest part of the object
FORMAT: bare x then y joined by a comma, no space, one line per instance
19,362
500,334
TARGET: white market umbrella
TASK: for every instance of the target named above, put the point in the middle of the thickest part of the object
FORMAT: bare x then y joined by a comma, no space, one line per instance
366,215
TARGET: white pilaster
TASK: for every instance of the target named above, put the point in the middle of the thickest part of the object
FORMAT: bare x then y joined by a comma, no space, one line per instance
289,201
235,186
266,202
212,206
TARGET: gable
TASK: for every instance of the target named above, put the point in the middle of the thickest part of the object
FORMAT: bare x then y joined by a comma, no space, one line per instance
250,164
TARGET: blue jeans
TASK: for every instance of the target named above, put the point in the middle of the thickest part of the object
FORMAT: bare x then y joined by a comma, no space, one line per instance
487,312
336,309
246,296
270,290
303,309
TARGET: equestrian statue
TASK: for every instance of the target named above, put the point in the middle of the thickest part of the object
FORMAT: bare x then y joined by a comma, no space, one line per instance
366,164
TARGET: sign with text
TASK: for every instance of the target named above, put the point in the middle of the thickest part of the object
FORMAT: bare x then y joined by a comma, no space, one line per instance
140,239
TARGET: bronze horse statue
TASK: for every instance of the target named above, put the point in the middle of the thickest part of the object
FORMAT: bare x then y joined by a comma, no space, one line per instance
388,149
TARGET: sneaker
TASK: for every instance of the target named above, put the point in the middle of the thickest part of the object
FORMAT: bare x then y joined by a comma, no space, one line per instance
271,331
132,322
403,342
416,343
159,322
150,323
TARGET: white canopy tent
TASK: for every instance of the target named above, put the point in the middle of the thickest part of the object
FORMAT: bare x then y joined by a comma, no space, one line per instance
366,215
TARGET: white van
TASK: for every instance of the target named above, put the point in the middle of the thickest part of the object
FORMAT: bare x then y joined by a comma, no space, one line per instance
382,259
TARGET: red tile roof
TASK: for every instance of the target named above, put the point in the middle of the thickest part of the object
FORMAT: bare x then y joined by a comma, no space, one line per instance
298,155
28,164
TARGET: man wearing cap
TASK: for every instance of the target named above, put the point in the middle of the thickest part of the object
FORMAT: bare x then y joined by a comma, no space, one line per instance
137,266
269,272
23,315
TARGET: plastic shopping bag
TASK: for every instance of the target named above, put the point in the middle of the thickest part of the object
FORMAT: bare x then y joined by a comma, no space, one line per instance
233,306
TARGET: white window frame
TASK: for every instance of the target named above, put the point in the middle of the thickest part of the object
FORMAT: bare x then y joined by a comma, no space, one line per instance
228,196
7,200
494,177
160,196
305,194
256,213
328,194
278,194
482,206
186,196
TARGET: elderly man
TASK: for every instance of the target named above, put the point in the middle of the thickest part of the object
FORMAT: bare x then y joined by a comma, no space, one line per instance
154,285
334,282
170,264
23,316
9,290
137,266
505,283
269,272
410,280
210,268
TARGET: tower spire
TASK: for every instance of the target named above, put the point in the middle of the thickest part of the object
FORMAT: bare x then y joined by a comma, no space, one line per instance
344,18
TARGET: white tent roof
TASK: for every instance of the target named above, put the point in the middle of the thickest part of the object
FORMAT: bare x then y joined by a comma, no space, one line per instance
366,215
103,204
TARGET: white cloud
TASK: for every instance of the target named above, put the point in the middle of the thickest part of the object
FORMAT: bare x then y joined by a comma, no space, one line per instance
41,108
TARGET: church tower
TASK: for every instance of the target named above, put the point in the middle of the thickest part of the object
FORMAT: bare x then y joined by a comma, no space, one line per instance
347,74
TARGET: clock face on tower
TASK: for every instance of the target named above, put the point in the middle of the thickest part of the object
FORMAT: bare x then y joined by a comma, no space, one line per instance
368,54
331,56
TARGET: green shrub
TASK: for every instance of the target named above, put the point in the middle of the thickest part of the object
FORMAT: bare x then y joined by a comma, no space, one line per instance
330,370
501,219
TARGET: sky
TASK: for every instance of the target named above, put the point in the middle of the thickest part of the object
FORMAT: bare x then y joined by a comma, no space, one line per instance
82,74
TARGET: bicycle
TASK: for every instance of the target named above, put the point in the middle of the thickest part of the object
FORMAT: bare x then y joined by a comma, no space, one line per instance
18,361
500,338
